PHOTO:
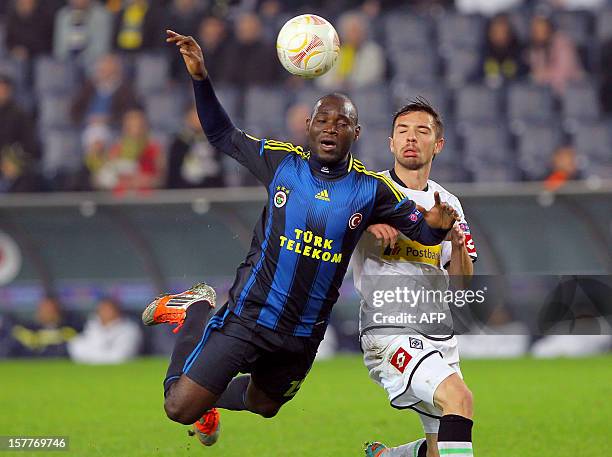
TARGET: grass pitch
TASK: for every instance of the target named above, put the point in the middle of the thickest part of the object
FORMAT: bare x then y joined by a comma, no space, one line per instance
524,408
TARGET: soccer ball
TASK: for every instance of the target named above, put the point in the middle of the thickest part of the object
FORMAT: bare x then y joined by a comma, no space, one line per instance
307,46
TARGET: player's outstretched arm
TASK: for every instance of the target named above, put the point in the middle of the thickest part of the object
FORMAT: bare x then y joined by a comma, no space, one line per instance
215,122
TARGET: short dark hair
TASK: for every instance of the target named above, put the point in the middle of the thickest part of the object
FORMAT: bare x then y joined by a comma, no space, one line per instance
421,104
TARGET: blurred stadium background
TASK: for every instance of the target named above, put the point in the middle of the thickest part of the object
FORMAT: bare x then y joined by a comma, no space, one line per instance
108,189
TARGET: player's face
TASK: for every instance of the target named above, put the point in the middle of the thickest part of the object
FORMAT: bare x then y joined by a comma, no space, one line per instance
414,142
332,129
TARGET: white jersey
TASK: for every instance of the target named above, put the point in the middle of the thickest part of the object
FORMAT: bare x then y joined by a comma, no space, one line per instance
420,267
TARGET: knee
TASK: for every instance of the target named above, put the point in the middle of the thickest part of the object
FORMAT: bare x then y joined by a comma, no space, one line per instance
456,398
177,413
266,410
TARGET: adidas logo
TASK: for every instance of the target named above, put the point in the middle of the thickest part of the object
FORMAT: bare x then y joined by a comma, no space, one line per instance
323,195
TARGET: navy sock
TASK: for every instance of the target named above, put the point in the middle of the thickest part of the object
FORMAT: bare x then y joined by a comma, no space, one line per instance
423,449
187,339
234,397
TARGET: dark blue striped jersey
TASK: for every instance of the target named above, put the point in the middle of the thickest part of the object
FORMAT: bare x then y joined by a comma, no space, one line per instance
307,231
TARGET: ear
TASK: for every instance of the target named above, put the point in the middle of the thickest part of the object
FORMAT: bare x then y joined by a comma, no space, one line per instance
391,146
438,147
357,132
308,120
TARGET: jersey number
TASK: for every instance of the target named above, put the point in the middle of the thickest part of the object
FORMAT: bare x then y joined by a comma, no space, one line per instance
295,386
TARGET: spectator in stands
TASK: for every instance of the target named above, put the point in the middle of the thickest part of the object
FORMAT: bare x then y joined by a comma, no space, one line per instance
18,148
109,337
138,26
106,95
8,344
192,161
28,15
135,162
296,123
48,334
552,56
361,61
564,167
502,56
82,32
96,141
215,41
251,60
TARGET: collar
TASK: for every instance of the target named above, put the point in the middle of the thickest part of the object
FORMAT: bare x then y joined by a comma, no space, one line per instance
330,171
397,179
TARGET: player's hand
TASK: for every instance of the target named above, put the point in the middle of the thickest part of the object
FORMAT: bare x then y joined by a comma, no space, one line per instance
457,237
384,232
441,215
191,52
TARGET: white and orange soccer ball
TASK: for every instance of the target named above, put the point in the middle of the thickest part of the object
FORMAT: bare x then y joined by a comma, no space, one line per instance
307,46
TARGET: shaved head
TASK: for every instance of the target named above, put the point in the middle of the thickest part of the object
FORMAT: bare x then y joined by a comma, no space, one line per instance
350,109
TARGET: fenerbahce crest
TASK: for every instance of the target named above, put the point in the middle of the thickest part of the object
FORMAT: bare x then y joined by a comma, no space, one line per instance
280,197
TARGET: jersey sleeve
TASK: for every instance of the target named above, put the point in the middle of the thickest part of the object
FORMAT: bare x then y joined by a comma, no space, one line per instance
394,208
447,246
260,156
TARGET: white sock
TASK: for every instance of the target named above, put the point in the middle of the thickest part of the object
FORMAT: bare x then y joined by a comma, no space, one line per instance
405,450
455,449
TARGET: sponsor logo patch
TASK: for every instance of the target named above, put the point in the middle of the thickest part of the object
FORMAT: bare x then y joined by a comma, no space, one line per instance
400,359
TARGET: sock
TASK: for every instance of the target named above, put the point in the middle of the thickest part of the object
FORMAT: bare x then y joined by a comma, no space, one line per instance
455,436
234,397
188,337
417,448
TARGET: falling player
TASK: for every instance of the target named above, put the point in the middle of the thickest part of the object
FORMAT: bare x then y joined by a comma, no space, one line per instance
319,203
416,364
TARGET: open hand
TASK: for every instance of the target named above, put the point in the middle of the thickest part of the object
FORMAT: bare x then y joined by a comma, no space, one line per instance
441,215
191,52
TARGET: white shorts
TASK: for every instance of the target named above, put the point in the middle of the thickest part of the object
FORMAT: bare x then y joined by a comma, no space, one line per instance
410,369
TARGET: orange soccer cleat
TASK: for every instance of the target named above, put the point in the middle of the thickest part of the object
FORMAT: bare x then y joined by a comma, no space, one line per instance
171,309
207,429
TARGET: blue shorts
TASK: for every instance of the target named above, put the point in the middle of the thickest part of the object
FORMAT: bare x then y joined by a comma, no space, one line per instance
278,363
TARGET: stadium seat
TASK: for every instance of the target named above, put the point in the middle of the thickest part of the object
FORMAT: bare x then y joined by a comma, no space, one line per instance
604,25
164,111
373,104
477,103
264,110
535,147
229,96
373,148
418,66
461,66
436,95
53,76
485,143
407,32
54,111
494,172
593,143
576,24
61,152
580,103
152,73
2,39
529,103
463,31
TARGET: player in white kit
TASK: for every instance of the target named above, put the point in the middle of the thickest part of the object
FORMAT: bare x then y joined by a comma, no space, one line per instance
415,359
